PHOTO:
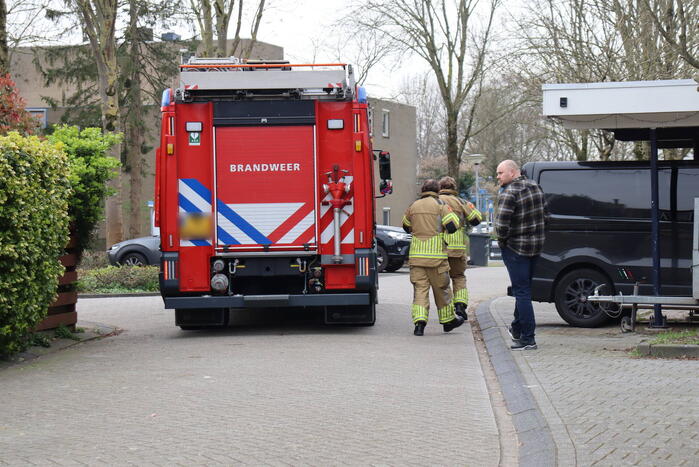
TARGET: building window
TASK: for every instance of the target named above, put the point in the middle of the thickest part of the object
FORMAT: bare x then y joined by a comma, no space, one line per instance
39,114
385,123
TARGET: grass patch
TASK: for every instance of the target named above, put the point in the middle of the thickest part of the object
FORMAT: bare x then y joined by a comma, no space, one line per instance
689,337
62,332
118,279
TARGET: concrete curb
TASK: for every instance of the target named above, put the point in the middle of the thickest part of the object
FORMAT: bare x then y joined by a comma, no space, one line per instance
668,350
536,445
113,295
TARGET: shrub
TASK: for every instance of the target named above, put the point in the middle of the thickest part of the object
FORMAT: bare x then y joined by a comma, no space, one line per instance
90,170
34,191
93,259
13,116
118,279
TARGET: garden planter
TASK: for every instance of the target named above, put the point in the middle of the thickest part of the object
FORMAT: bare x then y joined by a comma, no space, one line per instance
62,310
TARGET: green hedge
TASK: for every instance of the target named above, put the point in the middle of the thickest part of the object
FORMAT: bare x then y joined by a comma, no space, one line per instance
34,192
113,279
91,168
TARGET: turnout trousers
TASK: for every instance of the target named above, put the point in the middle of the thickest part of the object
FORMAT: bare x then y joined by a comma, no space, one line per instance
457,266
436,278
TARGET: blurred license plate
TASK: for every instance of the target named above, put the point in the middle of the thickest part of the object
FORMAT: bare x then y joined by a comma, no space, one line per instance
195,226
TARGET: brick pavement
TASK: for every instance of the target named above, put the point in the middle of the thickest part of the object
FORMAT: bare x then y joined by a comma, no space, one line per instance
279,391
603,406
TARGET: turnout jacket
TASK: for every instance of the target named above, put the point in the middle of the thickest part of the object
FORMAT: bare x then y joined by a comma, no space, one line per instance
457,242
427,219
521,217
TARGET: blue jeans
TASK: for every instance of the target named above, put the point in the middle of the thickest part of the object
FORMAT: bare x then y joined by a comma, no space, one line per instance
521,268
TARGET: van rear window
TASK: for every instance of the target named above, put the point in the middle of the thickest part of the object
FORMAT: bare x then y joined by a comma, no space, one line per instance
620,193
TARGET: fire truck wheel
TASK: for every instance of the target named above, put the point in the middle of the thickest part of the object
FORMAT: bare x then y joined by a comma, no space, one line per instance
381,259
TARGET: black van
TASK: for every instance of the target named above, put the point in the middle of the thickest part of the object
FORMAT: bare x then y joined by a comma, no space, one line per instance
599,232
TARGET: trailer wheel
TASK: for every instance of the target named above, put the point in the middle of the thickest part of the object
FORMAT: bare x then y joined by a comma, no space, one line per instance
571,295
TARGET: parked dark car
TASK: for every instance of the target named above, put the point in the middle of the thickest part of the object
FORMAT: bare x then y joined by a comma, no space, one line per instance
599,233
136,252
392,246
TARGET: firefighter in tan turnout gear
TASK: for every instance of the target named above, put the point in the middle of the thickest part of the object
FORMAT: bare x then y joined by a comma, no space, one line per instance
427,219
457,242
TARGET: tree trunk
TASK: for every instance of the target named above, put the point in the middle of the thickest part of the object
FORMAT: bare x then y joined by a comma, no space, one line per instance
453,144
4,53
207,34
222,19
134,126
99,22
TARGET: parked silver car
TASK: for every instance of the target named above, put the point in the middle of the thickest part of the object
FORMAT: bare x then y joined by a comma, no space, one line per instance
140,251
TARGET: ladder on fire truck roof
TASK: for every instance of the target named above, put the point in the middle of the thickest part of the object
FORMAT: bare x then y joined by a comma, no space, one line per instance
230,78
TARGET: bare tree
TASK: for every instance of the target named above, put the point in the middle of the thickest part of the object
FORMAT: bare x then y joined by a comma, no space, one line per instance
678,22
214,19
365,51
421,92
594,41
446,36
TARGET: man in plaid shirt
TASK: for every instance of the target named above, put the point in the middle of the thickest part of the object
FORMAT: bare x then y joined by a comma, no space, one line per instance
520,221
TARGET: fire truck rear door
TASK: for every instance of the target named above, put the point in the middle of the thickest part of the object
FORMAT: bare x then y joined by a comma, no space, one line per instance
265,187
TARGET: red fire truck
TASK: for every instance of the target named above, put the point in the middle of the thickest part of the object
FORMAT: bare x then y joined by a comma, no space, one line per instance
265,192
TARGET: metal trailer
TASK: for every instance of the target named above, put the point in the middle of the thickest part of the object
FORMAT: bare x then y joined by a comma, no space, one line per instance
665,113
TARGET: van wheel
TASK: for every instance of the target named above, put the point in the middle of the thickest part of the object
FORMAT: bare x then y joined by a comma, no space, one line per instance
571,298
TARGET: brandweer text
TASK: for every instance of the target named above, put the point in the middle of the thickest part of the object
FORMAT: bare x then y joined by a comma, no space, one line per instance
289,167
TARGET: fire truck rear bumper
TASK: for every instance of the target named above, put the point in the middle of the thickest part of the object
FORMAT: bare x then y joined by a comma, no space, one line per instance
264,301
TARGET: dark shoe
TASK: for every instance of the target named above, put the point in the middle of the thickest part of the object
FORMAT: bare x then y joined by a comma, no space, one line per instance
461,310
419,328
514,336
453,324
518,345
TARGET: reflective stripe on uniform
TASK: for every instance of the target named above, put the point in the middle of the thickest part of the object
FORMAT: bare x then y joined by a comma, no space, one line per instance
455,241
406,221
475,214
430,248
461,296
446,313
420,313
451,217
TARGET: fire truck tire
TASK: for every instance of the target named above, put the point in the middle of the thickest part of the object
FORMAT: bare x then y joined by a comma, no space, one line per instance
353,315
194,320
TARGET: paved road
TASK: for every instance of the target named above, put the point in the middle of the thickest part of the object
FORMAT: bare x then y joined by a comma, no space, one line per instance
278,391
603,406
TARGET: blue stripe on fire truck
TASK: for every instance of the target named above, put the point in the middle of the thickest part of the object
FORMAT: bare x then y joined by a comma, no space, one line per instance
193,197
226,238
242,224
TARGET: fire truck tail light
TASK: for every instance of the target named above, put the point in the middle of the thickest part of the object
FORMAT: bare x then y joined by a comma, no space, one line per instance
358,145
170,149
